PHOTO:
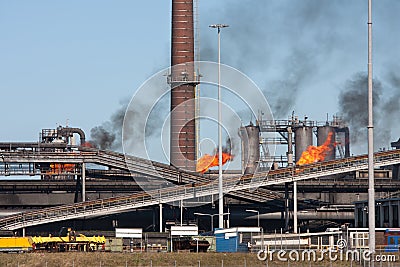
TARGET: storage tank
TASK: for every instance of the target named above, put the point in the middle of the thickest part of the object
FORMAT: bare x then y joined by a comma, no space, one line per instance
303,138
250,136
322,135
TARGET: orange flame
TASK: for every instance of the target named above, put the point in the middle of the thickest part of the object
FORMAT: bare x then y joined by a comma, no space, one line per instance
88,144
207,161
317,153
58,168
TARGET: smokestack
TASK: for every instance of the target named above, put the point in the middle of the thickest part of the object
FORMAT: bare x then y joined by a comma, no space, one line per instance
183,129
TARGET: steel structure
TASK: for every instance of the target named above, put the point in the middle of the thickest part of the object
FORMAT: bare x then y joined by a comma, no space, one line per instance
303,137
23,162
249,182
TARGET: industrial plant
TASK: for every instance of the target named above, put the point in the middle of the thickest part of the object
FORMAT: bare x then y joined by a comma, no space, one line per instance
313,183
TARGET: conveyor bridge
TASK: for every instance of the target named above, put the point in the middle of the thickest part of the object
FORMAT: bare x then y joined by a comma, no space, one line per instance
167,195
115,160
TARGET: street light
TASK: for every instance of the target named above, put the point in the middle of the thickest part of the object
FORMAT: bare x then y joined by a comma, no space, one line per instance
211,216
258,216
371,174
220,192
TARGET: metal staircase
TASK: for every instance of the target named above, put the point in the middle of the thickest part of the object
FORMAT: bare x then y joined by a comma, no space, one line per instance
249,182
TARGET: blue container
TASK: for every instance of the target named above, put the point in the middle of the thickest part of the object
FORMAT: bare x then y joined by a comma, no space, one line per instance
226,243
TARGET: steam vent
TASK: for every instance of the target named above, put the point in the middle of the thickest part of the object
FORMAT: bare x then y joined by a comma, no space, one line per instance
182,80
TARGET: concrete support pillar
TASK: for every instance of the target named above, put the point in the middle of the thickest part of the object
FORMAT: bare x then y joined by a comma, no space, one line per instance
23,232
161,218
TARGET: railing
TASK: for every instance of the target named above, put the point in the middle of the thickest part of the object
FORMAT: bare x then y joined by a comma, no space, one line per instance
119,204
115,160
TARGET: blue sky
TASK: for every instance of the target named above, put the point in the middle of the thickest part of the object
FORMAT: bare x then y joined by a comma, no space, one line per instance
76,60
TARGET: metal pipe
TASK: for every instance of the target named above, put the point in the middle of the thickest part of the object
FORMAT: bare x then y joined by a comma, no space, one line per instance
347,142
290,163
290,146
371,186
258,216
286,206
64,131
311,215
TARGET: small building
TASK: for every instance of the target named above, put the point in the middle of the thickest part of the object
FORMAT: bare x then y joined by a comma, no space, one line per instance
236,239
386,213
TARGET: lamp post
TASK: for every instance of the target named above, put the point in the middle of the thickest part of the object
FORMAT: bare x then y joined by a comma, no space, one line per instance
371,181
220,190
258,216
211,217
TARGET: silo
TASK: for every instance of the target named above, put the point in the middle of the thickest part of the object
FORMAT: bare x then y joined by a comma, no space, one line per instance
322,135
250,136
303,138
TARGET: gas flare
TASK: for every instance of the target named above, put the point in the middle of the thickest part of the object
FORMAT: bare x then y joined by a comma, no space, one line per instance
207,161
58,168
88,144
317,153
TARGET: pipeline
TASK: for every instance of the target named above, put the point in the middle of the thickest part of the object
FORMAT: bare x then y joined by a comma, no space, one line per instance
66,131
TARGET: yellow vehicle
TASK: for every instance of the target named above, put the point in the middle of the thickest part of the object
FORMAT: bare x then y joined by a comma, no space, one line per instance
16,244
67,240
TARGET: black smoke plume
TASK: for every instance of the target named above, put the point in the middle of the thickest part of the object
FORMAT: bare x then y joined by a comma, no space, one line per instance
291,45
228,147
108,135
353,107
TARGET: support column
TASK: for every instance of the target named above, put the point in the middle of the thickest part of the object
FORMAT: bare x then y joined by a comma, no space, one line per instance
295,207
23,232
227,221
286,206
181,212
78,188
290,164
365,216
161,218
83,182
381,215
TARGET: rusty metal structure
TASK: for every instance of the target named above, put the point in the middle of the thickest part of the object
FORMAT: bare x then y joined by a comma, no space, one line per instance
250,136
125,203
304,131
183,81
322,134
